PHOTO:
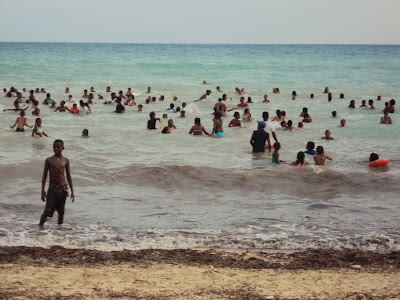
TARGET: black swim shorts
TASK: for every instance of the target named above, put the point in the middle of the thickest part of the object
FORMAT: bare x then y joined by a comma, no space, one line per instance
56,196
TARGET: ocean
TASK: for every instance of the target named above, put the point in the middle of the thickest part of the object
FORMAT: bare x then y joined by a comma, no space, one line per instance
138,189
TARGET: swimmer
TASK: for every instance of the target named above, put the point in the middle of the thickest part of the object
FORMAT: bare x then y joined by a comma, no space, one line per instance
219,89
311,96
249,100
21,122
16,107
74,109
363,104
386,119
278,117
171,125
183,114
38,129
85,133
289,125
48,100
165,116
300,126
217,128
140,107
378,98
247,115
204,81
36,110
108,90
166,130
203,97
342,123
236,121
371,104
171,107
85,94
62,108
300,162
67,90
119,108
92,90
128,92
175,98
283,124
266,99
352,104
90,98
151,124
242,104
373,157
307,118
320,157
275,91
326,91
149,90
334,114
327,135
197,128
121,95
275,154
329,97
161,98
310,148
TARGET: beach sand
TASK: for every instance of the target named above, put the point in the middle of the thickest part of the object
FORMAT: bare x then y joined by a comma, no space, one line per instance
59,273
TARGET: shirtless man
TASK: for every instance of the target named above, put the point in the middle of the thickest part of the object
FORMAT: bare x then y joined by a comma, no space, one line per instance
57,192
21,122
62,107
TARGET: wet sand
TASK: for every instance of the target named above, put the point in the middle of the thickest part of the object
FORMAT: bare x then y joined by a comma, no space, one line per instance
59,273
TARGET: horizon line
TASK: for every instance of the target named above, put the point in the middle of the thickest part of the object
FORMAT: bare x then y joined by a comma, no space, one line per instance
156,43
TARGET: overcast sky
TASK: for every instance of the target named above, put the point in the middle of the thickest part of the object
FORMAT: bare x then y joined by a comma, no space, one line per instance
206,21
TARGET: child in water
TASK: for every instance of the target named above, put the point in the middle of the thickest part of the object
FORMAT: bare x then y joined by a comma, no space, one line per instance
21,122
151,124
320,157
56,165
300,162
327,135
38,129
197,128
275,154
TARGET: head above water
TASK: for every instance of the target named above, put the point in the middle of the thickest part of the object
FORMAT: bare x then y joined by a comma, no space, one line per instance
310,145
320,150
373,157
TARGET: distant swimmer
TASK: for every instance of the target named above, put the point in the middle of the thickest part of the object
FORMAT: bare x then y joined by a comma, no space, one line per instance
92,90
300,126
371,104
67,90
242,103
326,91
363,103
203,97
62,107
310,148
16,107
276,91
320,157
85,133
266,99
327,135
151,124
352,104
342,123
108,90
197,128
57,193
386,119
204,81
219,89
149,90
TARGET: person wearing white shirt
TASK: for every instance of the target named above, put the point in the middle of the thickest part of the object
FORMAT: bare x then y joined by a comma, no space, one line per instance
269,128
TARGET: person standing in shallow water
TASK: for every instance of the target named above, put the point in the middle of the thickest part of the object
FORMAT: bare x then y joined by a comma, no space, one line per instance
58,189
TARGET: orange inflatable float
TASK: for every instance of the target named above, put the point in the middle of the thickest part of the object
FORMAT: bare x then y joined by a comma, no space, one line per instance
378,162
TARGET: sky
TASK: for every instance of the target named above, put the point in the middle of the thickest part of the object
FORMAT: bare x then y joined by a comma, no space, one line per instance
206,21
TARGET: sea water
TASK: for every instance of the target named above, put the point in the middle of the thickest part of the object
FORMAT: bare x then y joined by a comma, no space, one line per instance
137,188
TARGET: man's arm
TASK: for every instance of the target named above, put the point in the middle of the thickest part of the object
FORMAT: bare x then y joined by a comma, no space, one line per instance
44,178
252,139
70,181
269,143
274,136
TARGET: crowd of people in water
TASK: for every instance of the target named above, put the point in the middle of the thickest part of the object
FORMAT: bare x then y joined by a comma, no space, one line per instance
261,139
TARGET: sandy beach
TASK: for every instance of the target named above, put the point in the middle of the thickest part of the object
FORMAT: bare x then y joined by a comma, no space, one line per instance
59,273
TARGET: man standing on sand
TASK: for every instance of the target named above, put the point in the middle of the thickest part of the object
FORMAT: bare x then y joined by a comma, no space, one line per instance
58,189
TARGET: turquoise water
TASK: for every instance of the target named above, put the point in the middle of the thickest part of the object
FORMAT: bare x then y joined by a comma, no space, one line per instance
139,189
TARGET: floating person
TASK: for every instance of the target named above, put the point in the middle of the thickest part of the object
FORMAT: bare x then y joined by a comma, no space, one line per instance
56,166
203,97
197,128
21,122
38,129
320,157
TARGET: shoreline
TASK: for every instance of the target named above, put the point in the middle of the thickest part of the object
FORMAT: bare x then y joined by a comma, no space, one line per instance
57,272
